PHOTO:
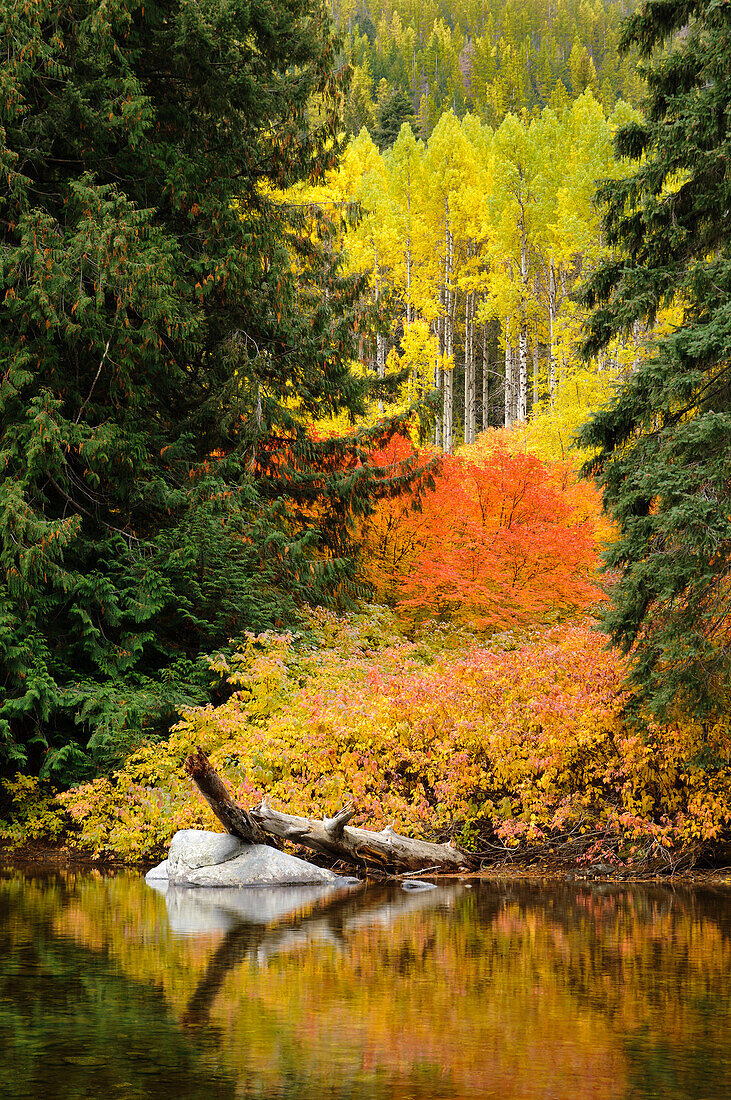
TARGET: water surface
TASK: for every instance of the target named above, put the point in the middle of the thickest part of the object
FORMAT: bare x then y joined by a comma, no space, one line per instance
519,992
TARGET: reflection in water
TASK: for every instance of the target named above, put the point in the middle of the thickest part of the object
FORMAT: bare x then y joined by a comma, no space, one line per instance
110,988
192,910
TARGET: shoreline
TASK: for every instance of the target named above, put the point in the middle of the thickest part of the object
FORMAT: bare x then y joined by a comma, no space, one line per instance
64,859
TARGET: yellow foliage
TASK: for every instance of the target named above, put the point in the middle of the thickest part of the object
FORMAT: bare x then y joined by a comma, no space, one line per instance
519,741
36,812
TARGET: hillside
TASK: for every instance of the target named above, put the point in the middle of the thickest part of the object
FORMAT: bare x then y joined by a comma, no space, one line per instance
482,56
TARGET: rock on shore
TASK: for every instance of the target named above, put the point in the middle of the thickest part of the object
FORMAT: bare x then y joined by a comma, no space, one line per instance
200,858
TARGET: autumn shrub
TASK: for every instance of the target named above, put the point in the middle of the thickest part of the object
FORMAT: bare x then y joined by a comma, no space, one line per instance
500,540
35,812
516,744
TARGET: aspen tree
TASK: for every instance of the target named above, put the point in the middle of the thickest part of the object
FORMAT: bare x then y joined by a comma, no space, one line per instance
448,165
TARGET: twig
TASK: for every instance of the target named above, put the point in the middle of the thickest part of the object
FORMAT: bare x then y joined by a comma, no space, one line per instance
99,368
413,874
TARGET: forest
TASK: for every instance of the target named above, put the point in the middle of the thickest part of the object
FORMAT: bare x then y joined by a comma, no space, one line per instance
365,422
481,58
474,243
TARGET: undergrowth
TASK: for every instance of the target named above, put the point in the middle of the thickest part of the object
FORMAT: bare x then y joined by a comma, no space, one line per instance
513,746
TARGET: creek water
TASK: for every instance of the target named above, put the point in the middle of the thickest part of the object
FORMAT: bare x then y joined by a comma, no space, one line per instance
109,988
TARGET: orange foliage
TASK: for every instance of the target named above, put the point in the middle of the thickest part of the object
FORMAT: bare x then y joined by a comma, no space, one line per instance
503,745
502,540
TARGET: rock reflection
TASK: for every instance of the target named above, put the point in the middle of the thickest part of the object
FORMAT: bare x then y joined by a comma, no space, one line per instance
263,922
193,910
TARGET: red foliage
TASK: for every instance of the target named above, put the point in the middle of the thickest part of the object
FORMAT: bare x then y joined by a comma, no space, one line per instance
499,542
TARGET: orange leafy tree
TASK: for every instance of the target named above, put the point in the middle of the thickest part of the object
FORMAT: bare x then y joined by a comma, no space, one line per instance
500,541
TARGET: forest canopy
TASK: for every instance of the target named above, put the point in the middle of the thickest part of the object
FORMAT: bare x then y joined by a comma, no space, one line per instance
484,57
170,331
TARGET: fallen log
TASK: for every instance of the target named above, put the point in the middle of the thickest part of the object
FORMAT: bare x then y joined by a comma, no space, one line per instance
386,850
332,837
233,817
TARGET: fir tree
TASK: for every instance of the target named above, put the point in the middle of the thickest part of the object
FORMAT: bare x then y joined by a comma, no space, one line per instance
392,114
168,329
663,445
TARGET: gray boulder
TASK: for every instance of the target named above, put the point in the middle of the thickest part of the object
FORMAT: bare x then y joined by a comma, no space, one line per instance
199,858
159,873
191,849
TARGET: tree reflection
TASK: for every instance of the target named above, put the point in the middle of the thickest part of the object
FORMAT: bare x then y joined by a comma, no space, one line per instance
502,990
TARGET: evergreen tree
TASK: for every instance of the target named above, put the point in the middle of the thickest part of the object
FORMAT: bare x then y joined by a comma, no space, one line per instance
359,109
392,114
168,329
663,445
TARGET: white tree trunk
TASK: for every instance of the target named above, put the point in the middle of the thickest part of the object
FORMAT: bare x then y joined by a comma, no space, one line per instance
380,338
509,379
448,406
551,329
485,381
469,370
523,333
448,441
409,306
637,333
439,376
522,411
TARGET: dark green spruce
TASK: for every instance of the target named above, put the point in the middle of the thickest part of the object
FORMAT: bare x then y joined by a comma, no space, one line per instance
663,445
391,115
167,329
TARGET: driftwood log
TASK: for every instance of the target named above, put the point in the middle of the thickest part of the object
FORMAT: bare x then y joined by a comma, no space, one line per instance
332,837
233,817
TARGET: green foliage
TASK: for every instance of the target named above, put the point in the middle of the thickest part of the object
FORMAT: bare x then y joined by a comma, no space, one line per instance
391,116
663,441
488,59
168,331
